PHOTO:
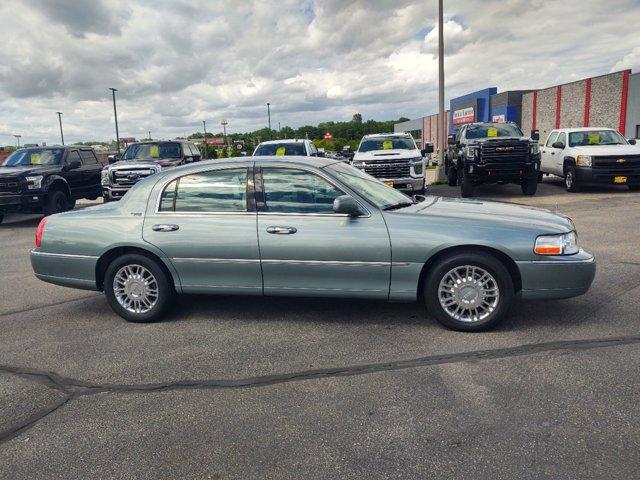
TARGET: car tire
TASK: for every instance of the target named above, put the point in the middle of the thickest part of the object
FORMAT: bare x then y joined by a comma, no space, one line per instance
633,188
71,204
539,177
138,288
469,291
56,202
452,176
529,186
1,217
466,187
570,180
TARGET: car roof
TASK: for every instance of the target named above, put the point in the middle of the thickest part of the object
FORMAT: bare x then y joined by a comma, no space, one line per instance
583,129
397,134
285,140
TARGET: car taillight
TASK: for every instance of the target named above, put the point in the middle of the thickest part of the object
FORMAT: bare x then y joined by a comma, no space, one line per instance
40,231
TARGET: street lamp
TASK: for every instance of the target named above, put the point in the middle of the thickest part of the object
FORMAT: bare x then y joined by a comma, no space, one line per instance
204,142
442,141
60,122
224,124
115,116
18,139
269,116
149,134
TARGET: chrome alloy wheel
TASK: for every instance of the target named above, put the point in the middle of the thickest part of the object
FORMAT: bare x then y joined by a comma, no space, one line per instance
468,293
568,179
135,288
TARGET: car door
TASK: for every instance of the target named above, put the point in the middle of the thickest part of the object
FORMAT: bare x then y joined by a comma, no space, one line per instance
90,169
205,223
557,156
75,176
547,154
306,248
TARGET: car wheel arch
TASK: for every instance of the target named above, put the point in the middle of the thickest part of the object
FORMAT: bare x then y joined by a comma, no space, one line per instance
110,255
58,183
443,253
568,162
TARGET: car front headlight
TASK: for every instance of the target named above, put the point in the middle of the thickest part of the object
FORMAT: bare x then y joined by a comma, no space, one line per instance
563,244
583,160
35,182
417,165
470,151
104,177
535,149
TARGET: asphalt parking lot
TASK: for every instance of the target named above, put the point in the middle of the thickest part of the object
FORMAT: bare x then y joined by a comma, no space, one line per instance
235,387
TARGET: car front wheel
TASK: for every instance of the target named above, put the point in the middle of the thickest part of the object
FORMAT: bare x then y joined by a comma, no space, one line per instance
530,186
137,288
570,180
469,291
452,176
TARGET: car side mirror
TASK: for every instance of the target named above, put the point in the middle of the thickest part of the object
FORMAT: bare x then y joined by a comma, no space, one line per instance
419,198
559,145
535,135
451,140
73,165
113,158
632,141
346,205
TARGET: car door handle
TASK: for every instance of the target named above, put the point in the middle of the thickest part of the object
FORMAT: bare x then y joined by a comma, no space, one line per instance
282,230
165,227
553,153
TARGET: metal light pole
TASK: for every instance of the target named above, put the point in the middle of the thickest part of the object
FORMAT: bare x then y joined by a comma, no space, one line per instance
204,142
269,117
18,139
60,122
115,116
442,141
149,134
224,124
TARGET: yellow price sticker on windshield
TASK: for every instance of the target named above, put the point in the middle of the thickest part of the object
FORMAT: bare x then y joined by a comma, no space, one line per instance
281,151
387,145
492,132
155,151
36,159
594,138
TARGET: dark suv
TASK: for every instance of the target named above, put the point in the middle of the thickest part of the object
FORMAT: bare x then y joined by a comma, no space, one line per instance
141,160
492,153
48,179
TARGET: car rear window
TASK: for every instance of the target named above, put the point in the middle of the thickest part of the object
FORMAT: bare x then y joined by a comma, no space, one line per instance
279,149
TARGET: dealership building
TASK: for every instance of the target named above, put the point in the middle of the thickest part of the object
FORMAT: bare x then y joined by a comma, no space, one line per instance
611,101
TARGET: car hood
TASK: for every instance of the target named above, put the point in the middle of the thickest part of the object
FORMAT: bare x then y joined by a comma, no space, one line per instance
134,164
27,170
492,212
608,150
385,155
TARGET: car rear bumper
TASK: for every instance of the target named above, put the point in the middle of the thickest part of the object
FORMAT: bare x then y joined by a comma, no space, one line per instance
557,277
76,271
32,202
590,176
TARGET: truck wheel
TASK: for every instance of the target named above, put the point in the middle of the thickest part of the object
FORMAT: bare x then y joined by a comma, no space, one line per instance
529,186
137,288
1,217
570,180
469,291
466,187
539,177
452,176
56,202
72,204
633,188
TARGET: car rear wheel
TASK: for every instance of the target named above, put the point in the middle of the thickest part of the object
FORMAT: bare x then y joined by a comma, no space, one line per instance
570,180
137,288
469,291
56,202
466,187
530,186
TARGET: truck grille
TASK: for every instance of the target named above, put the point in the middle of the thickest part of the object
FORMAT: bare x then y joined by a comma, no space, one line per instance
388,170
504,151
127,177
611,164
9,185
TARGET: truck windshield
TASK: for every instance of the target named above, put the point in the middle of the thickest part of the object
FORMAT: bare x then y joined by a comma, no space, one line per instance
487,130
364,184
280,149
386,143
34,156
596,137
146,151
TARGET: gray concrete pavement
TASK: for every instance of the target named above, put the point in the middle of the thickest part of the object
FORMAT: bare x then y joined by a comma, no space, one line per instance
237,387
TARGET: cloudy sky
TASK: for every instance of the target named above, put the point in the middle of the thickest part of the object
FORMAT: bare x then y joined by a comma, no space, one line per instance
178,62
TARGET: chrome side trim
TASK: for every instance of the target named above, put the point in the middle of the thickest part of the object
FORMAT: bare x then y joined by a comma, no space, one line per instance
63,255
324,289
240,261
215,260
555,262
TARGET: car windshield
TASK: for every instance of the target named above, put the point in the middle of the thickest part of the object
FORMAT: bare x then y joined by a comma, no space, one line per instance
596,137
369,187
386,143
34,156
280,149
139,151
487,130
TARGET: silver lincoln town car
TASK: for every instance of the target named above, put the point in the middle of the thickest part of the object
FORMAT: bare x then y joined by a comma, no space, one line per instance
306,226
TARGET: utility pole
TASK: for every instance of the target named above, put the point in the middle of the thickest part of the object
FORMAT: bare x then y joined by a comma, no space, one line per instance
442,141
279,129
18,139
115,116
149,134
224,124
204,151
269,117
60,122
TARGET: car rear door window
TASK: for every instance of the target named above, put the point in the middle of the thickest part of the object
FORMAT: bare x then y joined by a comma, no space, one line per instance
288,190
88,157
214,191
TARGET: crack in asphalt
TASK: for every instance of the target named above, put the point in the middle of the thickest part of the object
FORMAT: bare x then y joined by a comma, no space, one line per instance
74,388
47,305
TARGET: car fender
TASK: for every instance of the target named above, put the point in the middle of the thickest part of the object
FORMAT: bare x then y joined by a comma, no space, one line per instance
46,185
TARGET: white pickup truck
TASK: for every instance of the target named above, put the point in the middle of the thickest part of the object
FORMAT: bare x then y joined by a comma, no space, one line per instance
591,156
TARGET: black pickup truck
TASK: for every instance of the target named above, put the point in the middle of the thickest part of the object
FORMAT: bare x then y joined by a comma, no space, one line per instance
486,152
48,179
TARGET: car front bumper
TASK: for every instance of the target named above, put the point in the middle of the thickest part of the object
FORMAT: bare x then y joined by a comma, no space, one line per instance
110,193
501,172
590,176
22,202
408,184
557,277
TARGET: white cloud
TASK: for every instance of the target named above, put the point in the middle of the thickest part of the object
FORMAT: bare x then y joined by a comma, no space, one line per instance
177,62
